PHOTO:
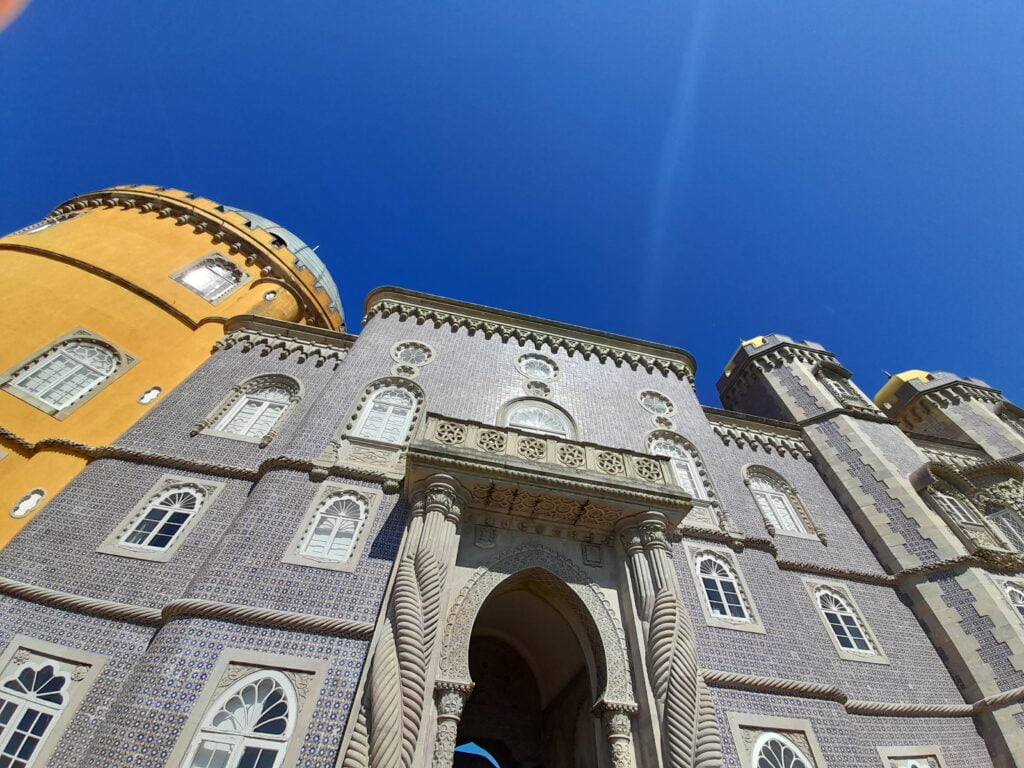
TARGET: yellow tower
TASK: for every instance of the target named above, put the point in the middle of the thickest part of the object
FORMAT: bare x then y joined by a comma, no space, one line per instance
113,300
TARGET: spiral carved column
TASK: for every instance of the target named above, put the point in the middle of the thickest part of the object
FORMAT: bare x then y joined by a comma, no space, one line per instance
690,737
395,696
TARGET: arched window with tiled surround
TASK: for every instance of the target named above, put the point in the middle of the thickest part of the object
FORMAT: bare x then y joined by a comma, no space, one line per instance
724,595
774,750
67,373
779,504
836,380
687,467
254,410
538,416
849,632
31,701
248,726
336,527
387,412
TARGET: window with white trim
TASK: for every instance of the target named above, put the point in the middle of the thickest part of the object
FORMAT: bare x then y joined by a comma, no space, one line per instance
248,726
773,498
1015,594
773,750
387,416
258,409
684,468
843,621
164,518
31,700
721,587
537,367
212,278
535,416
66,372
1009,524
337,524
955,506
841,388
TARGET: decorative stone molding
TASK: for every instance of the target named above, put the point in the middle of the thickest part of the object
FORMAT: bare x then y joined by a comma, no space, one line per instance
254,245
689,732
395,697
618,729
316,469
266,342
561,577
450,699
784,442
821,691
572,340
205,609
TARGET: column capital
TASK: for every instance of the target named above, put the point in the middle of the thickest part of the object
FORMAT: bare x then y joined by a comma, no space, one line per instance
441,493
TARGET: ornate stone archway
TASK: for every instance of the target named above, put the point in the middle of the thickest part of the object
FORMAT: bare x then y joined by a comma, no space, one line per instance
604,638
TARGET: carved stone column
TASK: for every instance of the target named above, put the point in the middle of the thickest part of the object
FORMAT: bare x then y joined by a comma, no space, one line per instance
688,728
618,729
397,695
450,699
639,571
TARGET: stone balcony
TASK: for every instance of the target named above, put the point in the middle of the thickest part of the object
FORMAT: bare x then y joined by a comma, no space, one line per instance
549,484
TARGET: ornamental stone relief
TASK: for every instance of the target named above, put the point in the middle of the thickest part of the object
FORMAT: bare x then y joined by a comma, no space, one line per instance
577,593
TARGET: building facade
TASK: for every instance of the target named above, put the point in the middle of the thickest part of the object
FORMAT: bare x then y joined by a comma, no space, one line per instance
469,526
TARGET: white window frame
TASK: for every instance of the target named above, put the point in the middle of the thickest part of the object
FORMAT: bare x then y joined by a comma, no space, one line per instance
12,379
762,742
216,422
236,740
1014,593
1013,538
367,409
297,553
80,667
116,543
959,509
779,493
684,465
314,672
523,360
336,519
169,510
510,409
874,653
750,731
214,297
903,756
750,621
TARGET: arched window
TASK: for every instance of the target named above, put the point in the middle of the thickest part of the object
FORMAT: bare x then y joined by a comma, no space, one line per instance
259,406
842,621
30,702
337,524
772,495
212,278
1015,595
249,726
773,750
164,517
841,388
66,373
1008,522
720,587
684,468
955,506
387,416
535,416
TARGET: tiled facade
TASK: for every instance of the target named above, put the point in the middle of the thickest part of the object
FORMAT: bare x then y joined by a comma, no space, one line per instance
945,641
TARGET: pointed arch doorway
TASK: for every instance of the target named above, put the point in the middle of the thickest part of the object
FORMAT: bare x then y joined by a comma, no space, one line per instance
535,678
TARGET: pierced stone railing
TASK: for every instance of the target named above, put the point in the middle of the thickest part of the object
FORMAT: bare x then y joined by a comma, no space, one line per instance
553,452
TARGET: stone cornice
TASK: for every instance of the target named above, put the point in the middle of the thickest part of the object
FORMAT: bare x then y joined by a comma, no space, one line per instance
780,437
525,329
825,692
202,609
251,332
252,474
254,245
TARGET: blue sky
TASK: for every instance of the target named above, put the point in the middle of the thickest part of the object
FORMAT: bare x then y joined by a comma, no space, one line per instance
850,172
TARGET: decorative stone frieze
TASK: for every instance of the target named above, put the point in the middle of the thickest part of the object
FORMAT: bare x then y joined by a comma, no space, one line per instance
737,430
524,330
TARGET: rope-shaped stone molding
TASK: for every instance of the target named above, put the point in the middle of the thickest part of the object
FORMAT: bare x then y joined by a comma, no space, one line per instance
266,617
200,609
105,609
358,753
824,692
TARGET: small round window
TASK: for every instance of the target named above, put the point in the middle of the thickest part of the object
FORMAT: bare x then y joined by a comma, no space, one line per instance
656,403
537,367
412,353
